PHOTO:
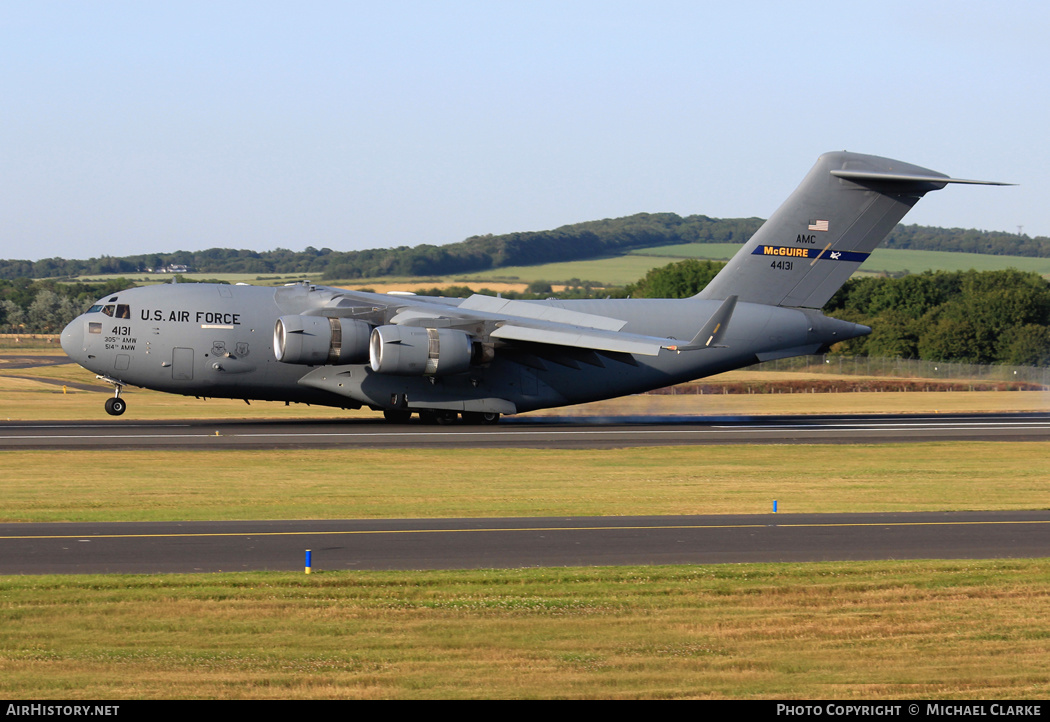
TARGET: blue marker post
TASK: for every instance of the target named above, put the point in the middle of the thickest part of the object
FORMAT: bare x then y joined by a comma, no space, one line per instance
774,506
308,564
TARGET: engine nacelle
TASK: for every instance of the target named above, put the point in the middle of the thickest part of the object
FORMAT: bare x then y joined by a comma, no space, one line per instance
316,340
416,351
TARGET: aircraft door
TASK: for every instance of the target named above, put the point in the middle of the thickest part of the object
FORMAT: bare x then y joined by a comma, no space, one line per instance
182,364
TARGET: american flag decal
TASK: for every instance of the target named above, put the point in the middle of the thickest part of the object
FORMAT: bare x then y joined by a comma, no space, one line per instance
817,226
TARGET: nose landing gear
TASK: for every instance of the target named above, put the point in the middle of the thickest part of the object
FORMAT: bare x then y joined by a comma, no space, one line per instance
115,406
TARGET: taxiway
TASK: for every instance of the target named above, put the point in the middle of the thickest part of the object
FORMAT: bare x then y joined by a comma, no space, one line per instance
158,547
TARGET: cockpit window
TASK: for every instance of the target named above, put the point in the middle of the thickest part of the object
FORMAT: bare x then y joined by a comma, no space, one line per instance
119,310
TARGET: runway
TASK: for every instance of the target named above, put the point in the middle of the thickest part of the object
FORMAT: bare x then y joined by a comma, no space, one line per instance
524,432
179,547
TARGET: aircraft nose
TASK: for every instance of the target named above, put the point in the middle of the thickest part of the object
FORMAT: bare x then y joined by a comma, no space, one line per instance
72,338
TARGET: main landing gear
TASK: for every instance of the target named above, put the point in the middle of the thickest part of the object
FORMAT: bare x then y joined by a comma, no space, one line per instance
115,406
442,417
397,416
480,418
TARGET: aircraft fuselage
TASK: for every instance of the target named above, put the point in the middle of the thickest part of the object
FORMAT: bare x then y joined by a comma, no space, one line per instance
484,356
212,340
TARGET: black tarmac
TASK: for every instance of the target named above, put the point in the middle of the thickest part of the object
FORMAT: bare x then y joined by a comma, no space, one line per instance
525,432
407,544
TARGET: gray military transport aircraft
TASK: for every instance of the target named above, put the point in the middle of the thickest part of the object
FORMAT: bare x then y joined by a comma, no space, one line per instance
481,357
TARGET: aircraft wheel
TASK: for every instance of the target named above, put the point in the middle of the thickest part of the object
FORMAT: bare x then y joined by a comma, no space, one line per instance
438,416
115,406
478,418
397,416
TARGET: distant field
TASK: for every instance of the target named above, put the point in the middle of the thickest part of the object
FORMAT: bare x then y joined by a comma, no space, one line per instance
617,271
614,271
628,269
712,251
883,259
621,270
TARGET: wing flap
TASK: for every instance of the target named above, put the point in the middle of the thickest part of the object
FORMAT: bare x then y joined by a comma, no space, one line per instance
539,312
593,339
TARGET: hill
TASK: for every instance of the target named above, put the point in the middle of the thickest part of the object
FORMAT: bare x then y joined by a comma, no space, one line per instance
592,239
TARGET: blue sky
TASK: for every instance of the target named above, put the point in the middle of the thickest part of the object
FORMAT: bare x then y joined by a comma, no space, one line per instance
138,127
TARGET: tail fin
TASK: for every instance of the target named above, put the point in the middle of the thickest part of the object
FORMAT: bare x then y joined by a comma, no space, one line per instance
846,205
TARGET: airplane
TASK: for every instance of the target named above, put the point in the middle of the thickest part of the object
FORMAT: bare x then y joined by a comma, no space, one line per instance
482,357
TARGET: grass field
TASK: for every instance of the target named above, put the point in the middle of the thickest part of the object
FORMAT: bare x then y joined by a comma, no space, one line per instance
891,630
894,630
155,485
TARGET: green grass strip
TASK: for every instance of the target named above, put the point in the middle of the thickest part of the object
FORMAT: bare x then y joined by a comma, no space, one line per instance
153,485
897,630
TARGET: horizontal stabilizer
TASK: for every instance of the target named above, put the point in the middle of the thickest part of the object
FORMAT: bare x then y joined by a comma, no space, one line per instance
857,175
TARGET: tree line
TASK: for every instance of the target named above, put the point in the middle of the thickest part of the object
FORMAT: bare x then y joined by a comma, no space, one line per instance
28,306
979,317
969,316
611,236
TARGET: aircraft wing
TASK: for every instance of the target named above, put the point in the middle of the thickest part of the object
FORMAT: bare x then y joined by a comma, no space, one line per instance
510,320
608,340
489,317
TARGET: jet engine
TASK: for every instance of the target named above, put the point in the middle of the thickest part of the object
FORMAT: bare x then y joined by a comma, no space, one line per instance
317,340
416,351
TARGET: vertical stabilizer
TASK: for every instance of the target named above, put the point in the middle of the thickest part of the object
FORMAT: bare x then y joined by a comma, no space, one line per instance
845,206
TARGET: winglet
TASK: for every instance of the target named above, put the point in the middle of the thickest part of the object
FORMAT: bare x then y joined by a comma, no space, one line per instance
711,334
